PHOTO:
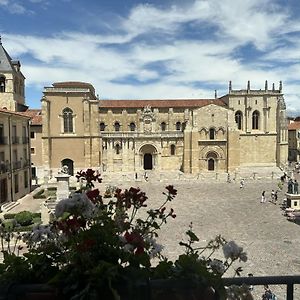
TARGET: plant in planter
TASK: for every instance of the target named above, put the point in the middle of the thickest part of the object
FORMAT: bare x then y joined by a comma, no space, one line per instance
104,248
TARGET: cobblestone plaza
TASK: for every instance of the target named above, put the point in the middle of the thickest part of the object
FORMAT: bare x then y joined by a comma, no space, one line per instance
270,241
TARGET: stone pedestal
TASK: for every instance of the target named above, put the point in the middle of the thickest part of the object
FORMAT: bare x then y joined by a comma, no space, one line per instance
62,191
293,201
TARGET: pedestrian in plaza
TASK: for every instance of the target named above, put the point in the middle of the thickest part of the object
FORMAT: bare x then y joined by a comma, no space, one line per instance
263,197
296,187
146,176
272,195
275,197
242,183
290,186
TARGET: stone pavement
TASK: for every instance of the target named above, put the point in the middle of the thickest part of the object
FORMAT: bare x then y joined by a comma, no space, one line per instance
272,242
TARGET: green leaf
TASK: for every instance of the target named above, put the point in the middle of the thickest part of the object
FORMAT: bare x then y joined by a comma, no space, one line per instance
192,236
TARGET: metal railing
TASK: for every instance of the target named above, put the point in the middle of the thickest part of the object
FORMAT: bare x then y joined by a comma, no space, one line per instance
143,289
289,281
16,165
25,139
15,139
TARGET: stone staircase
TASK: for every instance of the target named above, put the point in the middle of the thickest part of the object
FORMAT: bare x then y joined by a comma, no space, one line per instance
8,206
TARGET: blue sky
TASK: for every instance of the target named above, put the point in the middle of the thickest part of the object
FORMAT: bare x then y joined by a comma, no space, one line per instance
155,49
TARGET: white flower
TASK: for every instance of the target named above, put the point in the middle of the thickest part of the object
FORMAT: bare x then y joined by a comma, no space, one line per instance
128,248
217,266
232,250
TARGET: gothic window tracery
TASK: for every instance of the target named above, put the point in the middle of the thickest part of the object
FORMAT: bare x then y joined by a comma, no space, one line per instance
239,119
68,120
255,120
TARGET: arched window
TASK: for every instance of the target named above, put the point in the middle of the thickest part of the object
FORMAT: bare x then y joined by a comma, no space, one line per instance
117,126
163,126
102,126
255,120
239,119
211,134
172,148
118,147
68,120
178,126
2,84
132,126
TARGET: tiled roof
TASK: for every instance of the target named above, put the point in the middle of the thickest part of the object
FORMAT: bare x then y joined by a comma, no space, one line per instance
5,60
14,112
35,115
294,126
159,103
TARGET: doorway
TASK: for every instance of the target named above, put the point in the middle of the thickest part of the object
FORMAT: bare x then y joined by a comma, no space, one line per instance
211,164
70,164
148,164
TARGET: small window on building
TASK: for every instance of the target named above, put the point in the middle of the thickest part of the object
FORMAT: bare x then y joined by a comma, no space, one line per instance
102,126
211,134
118,148
173,148
2,84
32,134
117,126
32,150
178,126
163,126
132,126
16,179
295,203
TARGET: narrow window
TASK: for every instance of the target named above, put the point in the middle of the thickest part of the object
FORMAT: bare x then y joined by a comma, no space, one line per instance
132,126
16,183
32,150
238,119
117,126
14,134
178,126
32,134
118,149
255,120
25,179
2,84
68,120
173,148
211,134
102,126
163,126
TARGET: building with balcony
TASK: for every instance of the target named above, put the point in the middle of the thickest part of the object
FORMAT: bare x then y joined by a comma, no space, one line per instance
15,172
294,141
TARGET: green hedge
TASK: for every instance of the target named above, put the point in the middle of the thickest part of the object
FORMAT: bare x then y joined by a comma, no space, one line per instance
39,195
12,215
24,218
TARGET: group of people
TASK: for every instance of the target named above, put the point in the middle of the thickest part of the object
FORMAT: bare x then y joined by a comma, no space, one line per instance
274,197
293,186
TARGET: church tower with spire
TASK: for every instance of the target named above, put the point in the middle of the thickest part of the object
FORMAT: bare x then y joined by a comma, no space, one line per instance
12,87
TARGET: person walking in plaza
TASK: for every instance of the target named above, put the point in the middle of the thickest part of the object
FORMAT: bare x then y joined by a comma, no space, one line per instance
263,197
275,197
242,183
272,195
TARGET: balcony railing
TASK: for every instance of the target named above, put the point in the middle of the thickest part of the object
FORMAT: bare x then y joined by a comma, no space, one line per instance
15,140
25,163
3,140
16,165
4,167
288,281
25,139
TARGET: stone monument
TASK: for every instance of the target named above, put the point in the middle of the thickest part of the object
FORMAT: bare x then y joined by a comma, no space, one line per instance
62,178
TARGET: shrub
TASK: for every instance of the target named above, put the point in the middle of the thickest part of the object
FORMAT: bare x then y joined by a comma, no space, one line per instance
24,218
39,195
9,216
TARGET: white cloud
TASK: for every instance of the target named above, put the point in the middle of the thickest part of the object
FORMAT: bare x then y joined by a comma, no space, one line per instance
167,63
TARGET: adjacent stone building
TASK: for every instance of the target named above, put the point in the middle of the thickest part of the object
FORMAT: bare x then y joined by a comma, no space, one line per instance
294,141
15,165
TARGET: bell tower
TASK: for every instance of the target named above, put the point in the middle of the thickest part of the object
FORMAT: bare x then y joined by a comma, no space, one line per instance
12,95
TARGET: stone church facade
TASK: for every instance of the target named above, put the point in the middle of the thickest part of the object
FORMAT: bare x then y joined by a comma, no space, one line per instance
244,128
